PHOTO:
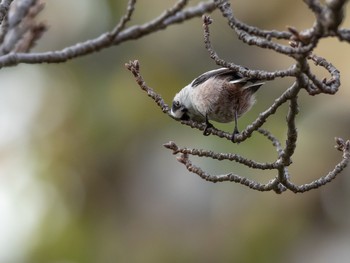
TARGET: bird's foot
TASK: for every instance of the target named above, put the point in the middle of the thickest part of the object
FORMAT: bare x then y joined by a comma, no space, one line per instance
208,125
234,134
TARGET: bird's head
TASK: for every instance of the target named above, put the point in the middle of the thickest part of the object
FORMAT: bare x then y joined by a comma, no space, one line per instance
182,104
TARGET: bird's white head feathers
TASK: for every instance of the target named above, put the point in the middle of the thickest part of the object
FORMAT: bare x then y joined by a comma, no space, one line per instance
182,104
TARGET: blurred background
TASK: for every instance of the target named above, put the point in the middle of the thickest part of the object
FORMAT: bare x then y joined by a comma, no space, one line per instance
84,176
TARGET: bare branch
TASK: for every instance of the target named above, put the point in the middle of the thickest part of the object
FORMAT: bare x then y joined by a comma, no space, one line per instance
225,8
266,114
220,156
134,67
292,133
341,145
254,36
20,31
256,74
170,17
226,177
328,18
328,87
125,18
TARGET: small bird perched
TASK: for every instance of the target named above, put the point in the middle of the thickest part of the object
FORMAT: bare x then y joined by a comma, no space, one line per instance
222,95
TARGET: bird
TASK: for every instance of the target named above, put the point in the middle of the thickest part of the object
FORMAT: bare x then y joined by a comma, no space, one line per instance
221,95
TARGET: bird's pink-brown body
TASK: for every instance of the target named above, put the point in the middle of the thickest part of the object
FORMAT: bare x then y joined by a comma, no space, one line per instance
220,100
221,95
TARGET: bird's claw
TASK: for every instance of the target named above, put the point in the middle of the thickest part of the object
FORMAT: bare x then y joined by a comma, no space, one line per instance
208,125
234,134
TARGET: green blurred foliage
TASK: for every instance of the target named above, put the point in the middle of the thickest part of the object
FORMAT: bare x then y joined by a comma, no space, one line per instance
111,193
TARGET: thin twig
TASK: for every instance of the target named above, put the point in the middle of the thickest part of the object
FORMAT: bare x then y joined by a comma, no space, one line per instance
220,156
134,67
256,74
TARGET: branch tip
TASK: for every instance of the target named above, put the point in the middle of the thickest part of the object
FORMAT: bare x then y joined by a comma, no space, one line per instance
342,145
133,65
207,20
172,146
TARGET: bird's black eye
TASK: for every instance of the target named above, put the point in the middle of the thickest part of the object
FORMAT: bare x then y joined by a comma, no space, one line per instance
176,105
